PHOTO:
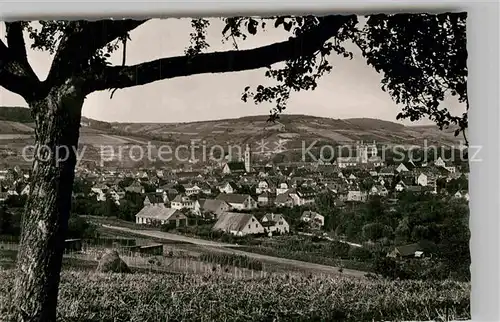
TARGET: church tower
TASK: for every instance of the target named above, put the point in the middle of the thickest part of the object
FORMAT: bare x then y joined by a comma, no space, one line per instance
362,152
248,168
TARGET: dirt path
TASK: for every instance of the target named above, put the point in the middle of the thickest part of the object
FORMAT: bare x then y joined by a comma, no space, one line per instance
169,236
229,248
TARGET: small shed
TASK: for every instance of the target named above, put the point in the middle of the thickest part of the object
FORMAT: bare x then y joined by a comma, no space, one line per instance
73,245
154,250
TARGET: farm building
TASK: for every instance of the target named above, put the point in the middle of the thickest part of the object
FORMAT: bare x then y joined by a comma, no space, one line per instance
73,245
159,215
238,201
156,249
238,224
214,207
416,250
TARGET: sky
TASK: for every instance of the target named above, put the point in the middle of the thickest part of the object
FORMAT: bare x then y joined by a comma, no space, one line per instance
352,89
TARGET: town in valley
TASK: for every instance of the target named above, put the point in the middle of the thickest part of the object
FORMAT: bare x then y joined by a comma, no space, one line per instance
352,213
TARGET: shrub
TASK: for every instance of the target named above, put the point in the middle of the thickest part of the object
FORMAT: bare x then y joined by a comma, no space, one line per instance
360,253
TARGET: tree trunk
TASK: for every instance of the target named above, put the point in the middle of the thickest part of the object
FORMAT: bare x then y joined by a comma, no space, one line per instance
46,215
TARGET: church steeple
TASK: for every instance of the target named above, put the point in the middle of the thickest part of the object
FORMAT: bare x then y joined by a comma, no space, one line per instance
248,167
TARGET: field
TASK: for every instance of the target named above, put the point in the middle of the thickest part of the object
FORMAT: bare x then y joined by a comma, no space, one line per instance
88,296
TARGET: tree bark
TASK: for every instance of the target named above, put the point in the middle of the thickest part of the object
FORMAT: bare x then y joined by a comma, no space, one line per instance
45,220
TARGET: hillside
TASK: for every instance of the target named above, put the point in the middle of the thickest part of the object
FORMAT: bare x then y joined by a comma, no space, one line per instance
295,131
15,114
293,128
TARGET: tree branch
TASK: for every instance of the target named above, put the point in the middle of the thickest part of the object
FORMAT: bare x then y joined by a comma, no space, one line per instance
16,75
465,138
15,39
219,62
81,41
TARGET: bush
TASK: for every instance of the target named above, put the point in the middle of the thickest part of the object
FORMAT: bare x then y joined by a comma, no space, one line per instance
360,254
168,227
80,228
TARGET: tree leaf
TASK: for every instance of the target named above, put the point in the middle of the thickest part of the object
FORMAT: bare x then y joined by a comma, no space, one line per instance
279,21
252,26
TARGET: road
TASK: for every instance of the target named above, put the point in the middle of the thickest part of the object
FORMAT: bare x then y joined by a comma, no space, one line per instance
229,248
169,236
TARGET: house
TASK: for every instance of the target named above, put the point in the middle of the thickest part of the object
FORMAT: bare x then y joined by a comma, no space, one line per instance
404,183
284,200
214,207
188,175
205,188
234,168
184,202
100,191
142,175
154,199
135,187
238,201
282,188
238,224
156,215
440,163
275,223
416,250
313,218
344,162
265,186
228,187
378,190
356,195
422,180
191,189
117,192
306,195
263,199
405,167
451,169
386,172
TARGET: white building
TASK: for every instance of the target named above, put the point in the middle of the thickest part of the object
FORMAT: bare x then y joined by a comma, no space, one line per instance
238,224
275,223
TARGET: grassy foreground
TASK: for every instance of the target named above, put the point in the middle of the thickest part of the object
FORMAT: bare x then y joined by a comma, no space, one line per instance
88,296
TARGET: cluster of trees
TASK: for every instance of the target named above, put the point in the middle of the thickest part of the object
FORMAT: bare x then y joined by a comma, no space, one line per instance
129,206
15,114
10,224
381,225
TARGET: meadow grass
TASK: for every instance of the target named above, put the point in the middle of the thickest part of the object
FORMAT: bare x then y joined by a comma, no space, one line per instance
89,296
